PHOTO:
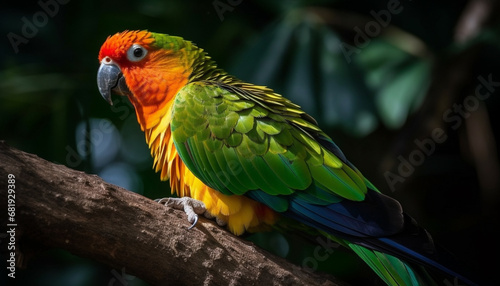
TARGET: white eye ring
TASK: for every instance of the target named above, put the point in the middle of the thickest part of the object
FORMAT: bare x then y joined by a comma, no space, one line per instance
136,53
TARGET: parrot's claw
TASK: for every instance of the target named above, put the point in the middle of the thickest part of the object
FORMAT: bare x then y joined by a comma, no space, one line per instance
190,206
195,221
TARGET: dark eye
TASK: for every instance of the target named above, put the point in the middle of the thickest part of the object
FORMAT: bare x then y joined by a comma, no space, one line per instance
136,53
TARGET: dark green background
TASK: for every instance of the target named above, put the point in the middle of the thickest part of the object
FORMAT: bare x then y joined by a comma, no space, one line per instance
394,88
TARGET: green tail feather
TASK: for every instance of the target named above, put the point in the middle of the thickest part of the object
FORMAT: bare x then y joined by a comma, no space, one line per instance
391,269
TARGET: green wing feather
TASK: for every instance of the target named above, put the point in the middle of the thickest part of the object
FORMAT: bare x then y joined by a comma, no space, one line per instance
270,145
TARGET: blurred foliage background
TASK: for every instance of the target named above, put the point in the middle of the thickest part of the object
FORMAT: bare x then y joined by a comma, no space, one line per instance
379,76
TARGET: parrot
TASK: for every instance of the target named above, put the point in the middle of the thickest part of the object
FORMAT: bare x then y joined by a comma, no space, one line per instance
250,158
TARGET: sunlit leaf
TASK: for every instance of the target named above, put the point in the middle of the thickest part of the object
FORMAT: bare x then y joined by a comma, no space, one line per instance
398,79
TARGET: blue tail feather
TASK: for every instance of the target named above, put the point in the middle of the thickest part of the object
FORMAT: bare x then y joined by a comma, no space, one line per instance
381,232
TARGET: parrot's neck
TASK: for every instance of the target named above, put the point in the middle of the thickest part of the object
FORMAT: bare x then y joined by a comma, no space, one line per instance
154,92
154,87
152,99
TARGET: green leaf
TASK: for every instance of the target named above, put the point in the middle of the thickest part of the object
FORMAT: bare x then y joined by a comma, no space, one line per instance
405,92
398,79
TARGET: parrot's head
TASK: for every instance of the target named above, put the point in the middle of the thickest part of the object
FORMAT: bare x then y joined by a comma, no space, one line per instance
147,67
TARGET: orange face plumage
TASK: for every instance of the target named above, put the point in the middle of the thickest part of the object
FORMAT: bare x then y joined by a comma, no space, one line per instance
153,74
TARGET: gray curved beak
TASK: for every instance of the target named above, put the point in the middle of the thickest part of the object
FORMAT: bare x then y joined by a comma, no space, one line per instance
110,80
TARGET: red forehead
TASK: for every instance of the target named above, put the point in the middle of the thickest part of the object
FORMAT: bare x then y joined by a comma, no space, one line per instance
116,46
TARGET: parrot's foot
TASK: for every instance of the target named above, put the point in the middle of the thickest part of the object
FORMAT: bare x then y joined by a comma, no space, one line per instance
190,206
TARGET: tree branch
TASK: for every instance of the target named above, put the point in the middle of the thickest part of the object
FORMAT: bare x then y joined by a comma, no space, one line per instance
63,208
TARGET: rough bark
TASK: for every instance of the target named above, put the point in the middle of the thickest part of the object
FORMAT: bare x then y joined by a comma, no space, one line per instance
57,207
